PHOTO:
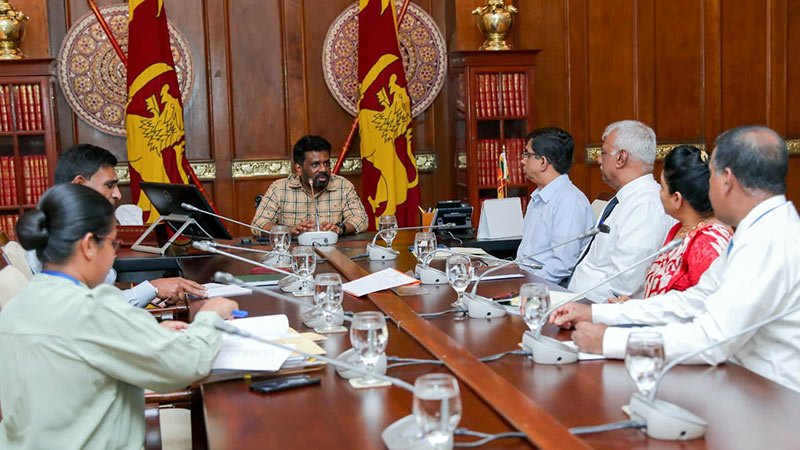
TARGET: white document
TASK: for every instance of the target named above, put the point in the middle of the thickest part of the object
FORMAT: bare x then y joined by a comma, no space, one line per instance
501,218
238,353
581,355
225,290
378,281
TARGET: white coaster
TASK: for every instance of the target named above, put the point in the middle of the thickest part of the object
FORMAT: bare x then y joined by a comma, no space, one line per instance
358,383
336,330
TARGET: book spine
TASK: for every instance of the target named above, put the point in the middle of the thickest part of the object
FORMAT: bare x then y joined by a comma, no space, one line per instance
23,96
13,177
37,103
45,173
483,96
9,114
35,179
495,96
507,111
523,99
17,108
3,111
6,194
27,179
481,162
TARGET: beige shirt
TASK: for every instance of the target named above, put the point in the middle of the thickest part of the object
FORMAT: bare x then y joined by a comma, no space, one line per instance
74,362
287,203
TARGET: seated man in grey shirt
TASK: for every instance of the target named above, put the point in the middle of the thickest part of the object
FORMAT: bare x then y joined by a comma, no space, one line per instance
93,166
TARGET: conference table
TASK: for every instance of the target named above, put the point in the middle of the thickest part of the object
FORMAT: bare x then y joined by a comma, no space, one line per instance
743,410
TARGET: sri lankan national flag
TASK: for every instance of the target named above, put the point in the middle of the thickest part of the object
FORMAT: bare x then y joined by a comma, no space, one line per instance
154,113
389,169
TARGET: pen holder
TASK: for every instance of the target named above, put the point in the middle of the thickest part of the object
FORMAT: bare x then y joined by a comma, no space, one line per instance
427,219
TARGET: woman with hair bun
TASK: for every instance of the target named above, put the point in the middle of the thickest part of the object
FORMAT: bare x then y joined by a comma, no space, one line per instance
684,195
74,355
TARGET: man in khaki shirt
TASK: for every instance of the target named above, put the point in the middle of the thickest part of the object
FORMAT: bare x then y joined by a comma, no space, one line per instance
289,201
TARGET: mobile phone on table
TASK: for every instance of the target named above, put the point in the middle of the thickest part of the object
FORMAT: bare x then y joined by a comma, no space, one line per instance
283,383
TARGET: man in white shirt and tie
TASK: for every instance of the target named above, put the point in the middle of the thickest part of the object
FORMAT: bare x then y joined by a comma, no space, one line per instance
558,211
758,277
635,215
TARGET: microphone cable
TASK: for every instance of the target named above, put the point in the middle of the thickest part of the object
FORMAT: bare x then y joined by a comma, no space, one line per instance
485,438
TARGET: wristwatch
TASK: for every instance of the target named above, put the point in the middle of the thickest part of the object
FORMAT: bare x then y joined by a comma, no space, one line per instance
342,227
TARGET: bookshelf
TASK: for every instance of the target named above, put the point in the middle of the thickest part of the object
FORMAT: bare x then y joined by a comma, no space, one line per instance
28,136
494,109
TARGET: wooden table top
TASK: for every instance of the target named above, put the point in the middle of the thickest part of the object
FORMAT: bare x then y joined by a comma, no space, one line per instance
743,410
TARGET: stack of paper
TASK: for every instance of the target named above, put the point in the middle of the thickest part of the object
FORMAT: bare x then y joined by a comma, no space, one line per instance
378,281
225,290
238,353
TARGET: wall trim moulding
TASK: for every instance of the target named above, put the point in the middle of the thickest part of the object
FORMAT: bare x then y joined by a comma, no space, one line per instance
283,167
206,171
593,153
462,161
793,145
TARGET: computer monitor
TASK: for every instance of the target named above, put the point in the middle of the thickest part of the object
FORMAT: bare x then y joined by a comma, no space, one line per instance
167,199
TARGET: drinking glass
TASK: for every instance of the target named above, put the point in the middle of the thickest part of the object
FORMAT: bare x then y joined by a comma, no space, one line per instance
437,408
459,275
424,243
644,358
369,336
304,262
534,301
388,222
328,296
279,238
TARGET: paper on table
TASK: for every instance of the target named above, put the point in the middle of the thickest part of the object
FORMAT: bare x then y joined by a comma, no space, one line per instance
581,355
238,353
378,281
225,290
469,251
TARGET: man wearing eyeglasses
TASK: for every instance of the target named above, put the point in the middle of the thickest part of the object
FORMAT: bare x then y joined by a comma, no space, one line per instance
558,210
93,167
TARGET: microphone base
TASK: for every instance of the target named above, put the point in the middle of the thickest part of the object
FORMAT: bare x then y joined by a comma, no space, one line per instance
315,319
317,238
666,420
429,275
405,434
547,350
276,260
378,253
290,284
354,359
482,308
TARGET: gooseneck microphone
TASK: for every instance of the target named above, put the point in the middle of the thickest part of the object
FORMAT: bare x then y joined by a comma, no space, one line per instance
231,329
665,420
547,350
192,208
430,256
207,247
481,307
379,253
317,237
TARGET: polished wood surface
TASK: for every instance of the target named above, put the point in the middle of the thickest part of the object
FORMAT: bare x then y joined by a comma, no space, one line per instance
744,410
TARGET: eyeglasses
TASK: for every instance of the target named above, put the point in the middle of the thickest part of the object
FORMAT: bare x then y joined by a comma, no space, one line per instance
114,243
527,154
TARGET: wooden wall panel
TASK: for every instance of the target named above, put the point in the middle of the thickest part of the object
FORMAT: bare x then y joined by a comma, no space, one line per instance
793,69
36,43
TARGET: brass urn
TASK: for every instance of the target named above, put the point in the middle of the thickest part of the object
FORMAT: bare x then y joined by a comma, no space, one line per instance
12,31
495,20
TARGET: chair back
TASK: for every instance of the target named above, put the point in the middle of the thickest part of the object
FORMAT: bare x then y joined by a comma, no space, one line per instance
11,282
14,254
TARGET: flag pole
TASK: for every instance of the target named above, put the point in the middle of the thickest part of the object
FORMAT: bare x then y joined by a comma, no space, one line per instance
354,127
113,40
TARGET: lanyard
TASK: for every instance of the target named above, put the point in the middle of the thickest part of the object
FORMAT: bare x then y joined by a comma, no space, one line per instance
767,212
62,275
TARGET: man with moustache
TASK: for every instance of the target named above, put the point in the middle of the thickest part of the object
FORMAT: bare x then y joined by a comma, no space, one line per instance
289,201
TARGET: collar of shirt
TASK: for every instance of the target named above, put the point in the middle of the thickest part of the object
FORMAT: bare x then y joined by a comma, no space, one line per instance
294,182
762,208
546,193
56,273
634,186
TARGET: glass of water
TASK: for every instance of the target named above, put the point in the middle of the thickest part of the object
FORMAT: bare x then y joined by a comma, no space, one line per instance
328,296
437,408
388,223
369,336
279,238
459,275
424,243
534,301
644,358
304,262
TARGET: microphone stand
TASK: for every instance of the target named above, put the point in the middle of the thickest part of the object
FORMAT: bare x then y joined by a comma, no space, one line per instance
379,253
666,420
482,307
316,237
547,350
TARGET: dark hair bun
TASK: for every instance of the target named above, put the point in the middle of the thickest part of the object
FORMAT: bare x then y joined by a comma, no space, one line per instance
32,230
686,171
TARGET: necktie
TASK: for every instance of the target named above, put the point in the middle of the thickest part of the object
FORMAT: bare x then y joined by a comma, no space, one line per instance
606,212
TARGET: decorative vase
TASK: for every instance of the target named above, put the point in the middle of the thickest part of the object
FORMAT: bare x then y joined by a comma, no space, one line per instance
495,20
12,31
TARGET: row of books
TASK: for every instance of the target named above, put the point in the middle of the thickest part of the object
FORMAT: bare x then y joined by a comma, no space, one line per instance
489,159
23,101
34,174
7,222
501,94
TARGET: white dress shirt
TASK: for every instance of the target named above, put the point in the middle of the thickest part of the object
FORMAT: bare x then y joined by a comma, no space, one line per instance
139,296
757,278
638,226
556,213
